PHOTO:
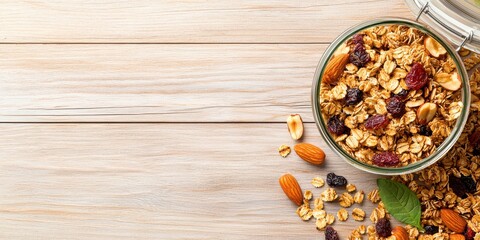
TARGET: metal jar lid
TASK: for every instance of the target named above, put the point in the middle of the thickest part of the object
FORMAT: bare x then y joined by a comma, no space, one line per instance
456,20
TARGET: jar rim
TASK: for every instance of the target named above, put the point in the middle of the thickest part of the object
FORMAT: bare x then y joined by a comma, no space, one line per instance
446,145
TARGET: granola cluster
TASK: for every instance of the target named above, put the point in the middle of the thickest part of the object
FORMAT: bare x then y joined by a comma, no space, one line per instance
393,96
452,182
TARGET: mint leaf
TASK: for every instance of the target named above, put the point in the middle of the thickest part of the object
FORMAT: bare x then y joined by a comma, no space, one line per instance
400,202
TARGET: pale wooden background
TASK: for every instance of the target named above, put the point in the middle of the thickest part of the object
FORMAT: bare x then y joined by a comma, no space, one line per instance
161,119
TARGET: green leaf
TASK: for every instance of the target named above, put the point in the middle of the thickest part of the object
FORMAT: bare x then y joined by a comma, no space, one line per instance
400,202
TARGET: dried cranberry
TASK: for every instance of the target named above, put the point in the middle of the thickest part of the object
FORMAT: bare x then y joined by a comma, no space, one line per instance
385,159
425,130
402,94
430,229
354,96
469,183
334,180
456,185
358,38
396,107
336,126
359,55
383,227
469,234
417,78
331,234
376,122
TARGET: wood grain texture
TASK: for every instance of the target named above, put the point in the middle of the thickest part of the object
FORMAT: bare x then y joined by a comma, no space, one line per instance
159,83
147,21
158,181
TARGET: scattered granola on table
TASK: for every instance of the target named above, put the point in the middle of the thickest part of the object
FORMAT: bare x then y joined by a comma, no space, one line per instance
394,99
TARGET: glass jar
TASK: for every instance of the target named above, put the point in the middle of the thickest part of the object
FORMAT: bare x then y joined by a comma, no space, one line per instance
447,143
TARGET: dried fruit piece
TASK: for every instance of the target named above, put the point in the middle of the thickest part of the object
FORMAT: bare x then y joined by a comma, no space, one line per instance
358,39
417,78
430,229
336,126
426,113
331,234
385,159
334,68
433,47
469,234
291,188
425,130
402,94
469,183
383,227
400,233
354,96
359,56
396,107
376,122
334,180
284,150
456,185
295,126
453,220
310,153
474,139
450,82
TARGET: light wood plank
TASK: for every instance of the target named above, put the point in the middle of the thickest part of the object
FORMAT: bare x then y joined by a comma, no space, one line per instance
161,83
217,21
158,181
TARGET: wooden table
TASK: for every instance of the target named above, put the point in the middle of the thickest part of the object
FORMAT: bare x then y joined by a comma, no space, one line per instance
161,119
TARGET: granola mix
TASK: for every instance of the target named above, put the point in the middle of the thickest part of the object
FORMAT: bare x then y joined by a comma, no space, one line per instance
394,102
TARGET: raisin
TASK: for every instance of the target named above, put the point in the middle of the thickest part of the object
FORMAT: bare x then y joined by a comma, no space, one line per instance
385,159
359,55
402,94
396,107
336,126
456,185
474,139
469,183
425,130
476,152
383,227
331,234
376,122
417,78
430,229
358,38
334,180
469,234
354,96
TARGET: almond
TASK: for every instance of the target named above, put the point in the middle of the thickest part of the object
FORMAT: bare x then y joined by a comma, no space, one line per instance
453,220
457,237
335,68
450,82
295,126
433,47
310,153
291,188
426,113
400,233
